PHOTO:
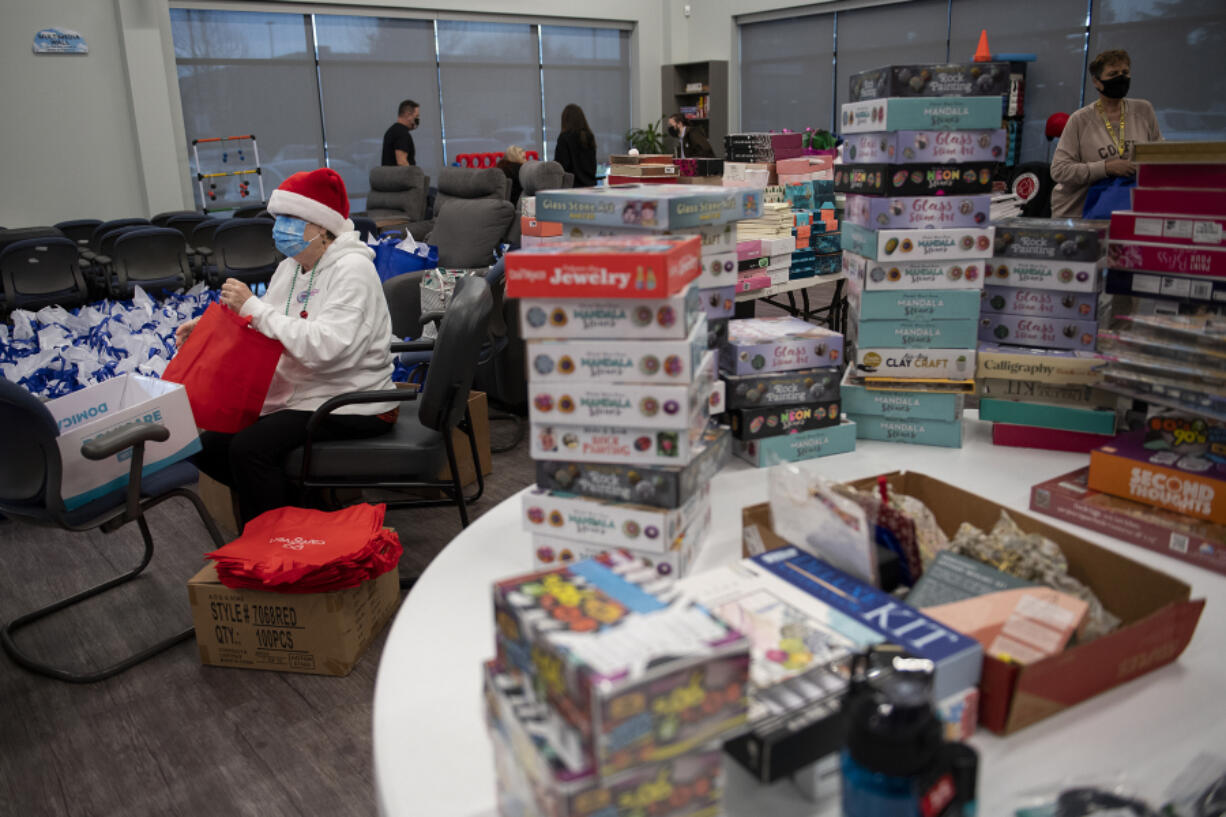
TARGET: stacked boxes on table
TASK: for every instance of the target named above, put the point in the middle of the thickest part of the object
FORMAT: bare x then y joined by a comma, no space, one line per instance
532,231
1041,293
764,248
642,168
706,211
603,695
922,143
781,386
700,171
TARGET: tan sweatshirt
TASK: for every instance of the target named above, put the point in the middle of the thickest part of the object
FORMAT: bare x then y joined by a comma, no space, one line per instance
1085,146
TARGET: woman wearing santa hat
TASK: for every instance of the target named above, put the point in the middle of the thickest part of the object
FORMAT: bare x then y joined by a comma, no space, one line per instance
325,305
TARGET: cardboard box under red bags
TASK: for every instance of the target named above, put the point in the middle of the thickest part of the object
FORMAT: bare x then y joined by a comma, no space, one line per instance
626,267
1158,616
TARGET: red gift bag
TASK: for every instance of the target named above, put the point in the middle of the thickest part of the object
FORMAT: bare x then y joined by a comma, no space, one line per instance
226,368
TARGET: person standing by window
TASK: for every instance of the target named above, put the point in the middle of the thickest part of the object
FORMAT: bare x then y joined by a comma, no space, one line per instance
1097,141
576,147
398,140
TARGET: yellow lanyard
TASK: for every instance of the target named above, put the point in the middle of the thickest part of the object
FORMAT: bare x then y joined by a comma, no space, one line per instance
1119,143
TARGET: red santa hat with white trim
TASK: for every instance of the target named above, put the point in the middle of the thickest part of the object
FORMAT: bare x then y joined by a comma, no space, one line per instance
317,196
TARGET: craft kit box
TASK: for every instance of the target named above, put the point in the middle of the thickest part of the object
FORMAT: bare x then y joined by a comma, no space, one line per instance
634,445
1041,365
640,704
1166,287
666,487
631,267
314,633
1046,439
929,364
109,407
899,405
1178,258
1030,273
808,445
551,551
1043,415
592,402
782,388
613,524
925,113
1158,618
1179,201
1059,239
760,345
910,212
1046,333
629,361
866,274
646,319
715,238
1188,483
775,421
943,146
1069,497
1203,175
1039,302
917,432
953,243
931,79
650,206
918,305
1206,231
916,180
918,334
718,302
718,270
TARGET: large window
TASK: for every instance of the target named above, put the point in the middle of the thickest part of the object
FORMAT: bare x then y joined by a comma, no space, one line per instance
787,71
320,89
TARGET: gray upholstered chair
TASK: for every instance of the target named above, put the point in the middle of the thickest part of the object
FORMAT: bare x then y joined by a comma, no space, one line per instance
537,176
397,196
472,216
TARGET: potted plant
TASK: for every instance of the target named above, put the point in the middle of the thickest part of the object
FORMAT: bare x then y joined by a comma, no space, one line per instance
649,139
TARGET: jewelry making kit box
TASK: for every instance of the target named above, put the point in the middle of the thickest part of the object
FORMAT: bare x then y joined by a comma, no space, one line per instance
867,274
644,319
916,113
952,243
943,146
652,207
645,266
916,179
760,345
912,212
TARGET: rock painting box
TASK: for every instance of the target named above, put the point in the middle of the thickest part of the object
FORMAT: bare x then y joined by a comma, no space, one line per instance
931,79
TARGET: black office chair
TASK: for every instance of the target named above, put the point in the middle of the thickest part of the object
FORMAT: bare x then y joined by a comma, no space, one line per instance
96,268
41,272
12,236
250,210
30,480
412,455
366,227
184,223
79,230
243,249
153,257
200,247
163,219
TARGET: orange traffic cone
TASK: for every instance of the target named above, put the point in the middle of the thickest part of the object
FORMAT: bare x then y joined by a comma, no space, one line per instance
983,53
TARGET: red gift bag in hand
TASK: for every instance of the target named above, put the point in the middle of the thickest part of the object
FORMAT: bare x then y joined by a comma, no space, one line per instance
226,368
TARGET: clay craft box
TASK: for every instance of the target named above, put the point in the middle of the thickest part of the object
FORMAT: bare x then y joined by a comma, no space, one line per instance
650,206
646,319
867,274
939,244
1039,302
1046,333
657,486
931,79
629,267
925,364
920,113
628,361
1060,239
916,180
943,146
914,431
1040,365
807,445
1176,258
911,212
1032,273
760,345
775,421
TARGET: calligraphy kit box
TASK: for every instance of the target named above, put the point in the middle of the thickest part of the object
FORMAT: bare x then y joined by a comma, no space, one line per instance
918,305
1206,231
613,524
638,680
645,319
1178,258
774,421
917,113
759,345
916,180
807,445
943,146
1031,273
1179,201
942,243
1041,365
629,361
1039,302
1056,239
918,334
1048,333
551,551
644,266
918,432
1189,483
657,486
904,405
910,212
917,364
1043,415
868,275
782,388
651,207
931,79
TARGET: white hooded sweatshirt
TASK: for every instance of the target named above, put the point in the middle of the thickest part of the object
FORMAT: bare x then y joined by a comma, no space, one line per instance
344,343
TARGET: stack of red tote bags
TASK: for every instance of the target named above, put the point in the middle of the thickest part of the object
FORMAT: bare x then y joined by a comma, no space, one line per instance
295,550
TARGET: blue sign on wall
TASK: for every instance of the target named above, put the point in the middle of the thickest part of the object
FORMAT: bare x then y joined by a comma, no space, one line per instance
59,41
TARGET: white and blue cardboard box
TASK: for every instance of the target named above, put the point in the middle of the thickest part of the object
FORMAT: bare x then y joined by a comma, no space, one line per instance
108,406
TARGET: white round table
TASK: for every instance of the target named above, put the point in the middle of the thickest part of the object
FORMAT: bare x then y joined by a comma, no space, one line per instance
432,755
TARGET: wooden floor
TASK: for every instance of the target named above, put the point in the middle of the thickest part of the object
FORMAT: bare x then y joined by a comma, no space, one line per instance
170,737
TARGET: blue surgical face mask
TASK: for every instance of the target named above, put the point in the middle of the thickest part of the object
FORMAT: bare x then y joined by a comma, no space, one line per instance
288,233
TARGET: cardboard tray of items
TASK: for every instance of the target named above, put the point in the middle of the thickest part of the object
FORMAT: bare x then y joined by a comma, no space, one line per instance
1158,614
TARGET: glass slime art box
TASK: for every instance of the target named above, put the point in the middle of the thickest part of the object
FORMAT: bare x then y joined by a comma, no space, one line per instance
759,345
650,206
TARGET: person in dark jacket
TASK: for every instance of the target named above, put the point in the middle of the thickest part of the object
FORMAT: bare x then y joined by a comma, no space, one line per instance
694,143
576,148
511,163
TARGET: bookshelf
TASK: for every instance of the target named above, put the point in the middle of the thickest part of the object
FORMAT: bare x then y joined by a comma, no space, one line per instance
700,88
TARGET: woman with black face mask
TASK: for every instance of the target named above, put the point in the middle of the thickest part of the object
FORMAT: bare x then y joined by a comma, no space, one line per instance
1097,141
